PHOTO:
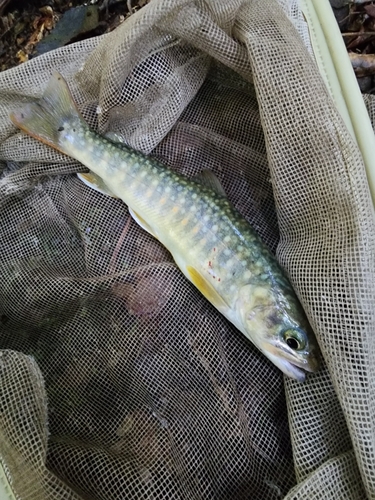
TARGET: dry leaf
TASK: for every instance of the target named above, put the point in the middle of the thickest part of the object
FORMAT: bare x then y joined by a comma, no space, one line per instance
363,64
46,10
22,57
370,10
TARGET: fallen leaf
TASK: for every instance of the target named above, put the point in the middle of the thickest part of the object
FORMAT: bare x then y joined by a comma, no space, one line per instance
20,26
46,10
21,56
363,64
370,10
35,38
4,24
36,22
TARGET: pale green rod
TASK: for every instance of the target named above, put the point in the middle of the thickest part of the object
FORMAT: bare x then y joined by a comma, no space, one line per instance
6,492
336,69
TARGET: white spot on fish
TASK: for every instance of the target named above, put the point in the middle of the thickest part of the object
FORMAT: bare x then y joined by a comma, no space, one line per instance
98,110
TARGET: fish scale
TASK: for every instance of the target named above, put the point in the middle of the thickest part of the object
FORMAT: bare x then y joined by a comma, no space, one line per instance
212,244
193,212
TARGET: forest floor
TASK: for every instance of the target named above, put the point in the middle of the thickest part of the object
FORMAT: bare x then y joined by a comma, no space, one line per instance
30,28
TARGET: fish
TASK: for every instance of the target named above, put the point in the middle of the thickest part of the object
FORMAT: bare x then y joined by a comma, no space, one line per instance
210,241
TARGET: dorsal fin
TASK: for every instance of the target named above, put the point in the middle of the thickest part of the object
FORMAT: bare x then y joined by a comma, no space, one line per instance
115,137
208,178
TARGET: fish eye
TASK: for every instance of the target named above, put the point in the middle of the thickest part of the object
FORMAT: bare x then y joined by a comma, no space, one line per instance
294,339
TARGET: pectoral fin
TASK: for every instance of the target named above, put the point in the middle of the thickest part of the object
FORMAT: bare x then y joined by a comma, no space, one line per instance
206,288
95,182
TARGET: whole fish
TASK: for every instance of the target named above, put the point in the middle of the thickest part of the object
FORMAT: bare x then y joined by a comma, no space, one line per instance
212,244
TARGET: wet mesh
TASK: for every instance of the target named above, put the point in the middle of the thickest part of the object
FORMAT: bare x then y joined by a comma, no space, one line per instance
118,379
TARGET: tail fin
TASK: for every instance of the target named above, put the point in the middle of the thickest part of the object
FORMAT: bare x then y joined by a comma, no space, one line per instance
44,118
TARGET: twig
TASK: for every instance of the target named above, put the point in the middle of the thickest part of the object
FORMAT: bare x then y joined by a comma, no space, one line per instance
3,4
359,33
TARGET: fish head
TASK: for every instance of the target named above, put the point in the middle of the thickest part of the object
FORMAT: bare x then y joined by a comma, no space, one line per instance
273,319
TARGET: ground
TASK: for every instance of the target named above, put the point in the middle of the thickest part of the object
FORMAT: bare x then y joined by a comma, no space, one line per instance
357,24
31,28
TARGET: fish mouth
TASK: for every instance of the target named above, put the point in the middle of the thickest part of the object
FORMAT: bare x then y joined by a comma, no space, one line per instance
291,369
294,372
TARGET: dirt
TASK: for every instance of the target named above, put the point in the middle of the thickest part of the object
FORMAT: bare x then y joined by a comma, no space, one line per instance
24,26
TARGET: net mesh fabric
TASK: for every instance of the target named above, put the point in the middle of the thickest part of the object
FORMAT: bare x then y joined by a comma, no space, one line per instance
151,393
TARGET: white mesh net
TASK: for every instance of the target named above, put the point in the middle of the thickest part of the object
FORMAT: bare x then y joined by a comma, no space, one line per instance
148,391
